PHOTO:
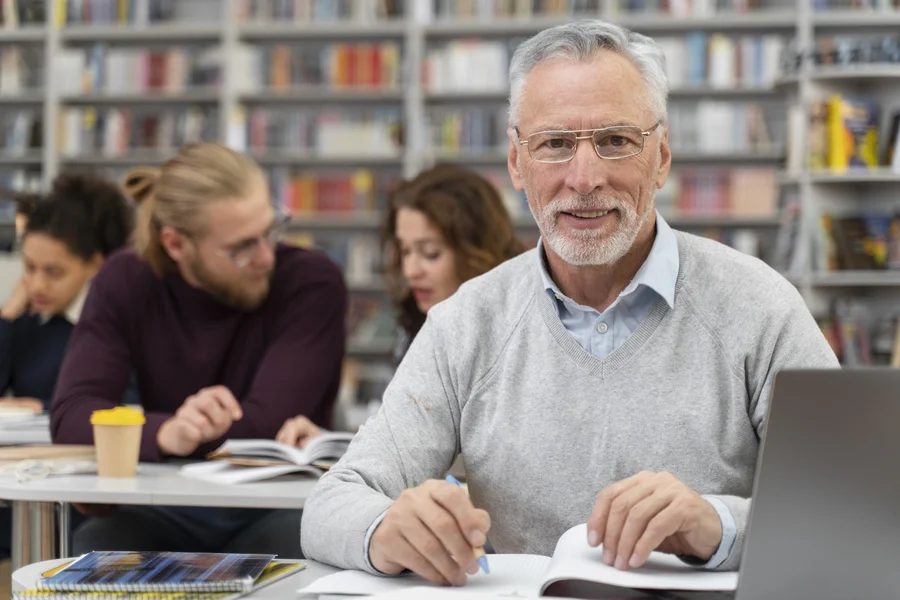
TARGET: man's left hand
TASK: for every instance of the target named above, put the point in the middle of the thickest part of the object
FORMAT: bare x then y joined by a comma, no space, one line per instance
652,511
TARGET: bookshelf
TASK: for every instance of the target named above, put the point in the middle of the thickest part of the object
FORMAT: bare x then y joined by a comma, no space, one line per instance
248,105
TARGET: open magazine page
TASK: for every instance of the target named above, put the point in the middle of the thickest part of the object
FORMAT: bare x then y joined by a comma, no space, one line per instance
573,559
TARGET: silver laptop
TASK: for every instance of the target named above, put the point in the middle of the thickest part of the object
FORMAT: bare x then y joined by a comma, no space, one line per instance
825,518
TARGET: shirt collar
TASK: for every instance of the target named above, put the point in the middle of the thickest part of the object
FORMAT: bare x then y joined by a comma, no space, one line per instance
659,271
73,311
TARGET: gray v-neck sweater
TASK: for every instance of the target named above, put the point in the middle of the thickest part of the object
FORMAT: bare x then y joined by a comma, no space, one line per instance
543,425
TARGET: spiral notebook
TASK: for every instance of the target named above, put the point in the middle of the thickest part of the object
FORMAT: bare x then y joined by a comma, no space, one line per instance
137,572
274,571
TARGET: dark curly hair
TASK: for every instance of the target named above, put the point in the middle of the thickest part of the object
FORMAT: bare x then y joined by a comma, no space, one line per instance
87,213
469,213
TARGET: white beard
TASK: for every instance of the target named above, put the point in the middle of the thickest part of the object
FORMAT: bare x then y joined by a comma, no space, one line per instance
591,247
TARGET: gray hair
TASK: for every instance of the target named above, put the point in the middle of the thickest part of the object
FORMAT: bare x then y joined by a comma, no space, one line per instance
581,40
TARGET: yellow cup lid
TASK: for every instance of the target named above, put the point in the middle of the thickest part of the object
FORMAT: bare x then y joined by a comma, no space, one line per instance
120,415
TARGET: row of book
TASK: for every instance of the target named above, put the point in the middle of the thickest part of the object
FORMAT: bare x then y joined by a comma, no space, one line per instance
524,9
109,12
477,128
743,192
843,50
468,65
14,13
361,65
863,332
104,69
319,10
864,242
722,61
723,126
359,256
117,131
823,5
21,131
844,134
325,132
304,192
21,69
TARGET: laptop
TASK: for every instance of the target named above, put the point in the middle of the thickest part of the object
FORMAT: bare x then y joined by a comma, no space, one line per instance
825,517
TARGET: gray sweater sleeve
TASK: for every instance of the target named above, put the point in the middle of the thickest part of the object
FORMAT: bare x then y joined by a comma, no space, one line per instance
413,437
794,341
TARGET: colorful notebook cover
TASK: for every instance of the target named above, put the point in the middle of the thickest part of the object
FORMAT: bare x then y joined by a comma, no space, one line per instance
275,571
159,571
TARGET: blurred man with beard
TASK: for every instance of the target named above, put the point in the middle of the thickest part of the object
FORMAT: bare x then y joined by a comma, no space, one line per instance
229,335
618,375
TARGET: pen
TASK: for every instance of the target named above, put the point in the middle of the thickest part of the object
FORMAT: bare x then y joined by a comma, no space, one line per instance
479,552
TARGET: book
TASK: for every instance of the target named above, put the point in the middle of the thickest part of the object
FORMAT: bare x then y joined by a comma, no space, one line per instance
531,575
132,572
852,133
244,461
274,571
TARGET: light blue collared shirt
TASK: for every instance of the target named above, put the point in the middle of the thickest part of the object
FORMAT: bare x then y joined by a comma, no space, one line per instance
601,333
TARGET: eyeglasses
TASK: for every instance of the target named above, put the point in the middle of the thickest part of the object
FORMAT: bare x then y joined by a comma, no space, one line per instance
610,143
246,252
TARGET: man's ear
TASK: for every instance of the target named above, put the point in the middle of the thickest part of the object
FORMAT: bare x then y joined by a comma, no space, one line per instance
173,242
512,159
665,159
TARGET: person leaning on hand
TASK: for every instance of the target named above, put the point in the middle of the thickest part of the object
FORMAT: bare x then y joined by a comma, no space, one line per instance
625,367
229,333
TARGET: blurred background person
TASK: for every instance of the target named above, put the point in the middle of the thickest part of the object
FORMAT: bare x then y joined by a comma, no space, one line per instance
68,235
442,228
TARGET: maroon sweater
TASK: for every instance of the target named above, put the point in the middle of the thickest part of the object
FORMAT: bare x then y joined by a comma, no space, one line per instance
279,361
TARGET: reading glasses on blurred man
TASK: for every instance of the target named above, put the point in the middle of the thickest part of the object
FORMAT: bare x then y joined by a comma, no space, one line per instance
610,143
244,253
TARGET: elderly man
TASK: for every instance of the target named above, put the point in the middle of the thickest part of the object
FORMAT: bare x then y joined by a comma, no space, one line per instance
619,374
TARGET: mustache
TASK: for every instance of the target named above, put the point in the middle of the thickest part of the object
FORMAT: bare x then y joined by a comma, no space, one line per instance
584,203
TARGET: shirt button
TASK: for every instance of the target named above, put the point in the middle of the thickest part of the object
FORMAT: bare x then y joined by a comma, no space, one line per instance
559,297
602,327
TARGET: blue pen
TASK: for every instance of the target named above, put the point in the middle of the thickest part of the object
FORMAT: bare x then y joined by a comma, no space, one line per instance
479,552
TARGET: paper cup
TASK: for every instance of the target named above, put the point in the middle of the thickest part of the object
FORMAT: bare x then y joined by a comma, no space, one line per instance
117,441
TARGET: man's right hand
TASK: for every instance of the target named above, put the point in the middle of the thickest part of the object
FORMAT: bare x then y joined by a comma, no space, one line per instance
205,416
432,530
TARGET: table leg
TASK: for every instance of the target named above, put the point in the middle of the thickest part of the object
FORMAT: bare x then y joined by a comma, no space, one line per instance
64,527
33,535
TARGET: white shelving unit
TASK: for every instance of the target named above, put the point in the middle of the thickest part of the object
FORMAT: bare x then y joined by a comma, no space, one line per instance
818,191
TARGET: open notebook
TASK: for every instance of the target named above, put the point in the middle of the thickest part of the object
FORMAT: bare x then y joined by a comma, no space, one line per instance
531,575
243,461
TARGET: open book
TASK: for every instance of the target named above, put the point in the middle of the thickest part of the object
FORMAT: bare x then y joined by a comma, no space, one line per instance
573,562
242,461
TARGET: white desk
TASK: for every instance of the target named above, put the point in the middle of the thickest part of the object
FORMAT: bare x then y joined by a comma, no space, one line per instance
34,502
27,577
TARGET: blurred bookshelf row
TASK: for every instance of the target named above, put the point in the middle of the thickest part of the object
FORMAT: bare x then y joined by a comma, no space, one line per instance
782,121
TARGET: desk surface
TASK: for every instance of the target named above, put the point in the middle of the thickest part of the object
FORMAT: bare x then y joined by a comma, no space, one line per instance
26,578
158,484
